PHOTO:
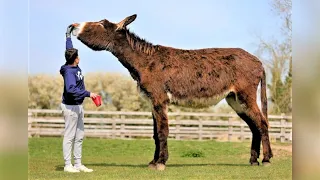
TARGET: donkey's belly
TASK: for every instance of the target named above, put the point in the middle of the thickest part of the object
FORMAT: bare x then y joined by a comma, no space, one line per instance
197,102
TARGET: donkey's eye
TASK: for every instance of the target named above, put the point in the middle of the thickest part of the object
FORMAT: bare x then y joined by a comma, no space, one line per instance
101,23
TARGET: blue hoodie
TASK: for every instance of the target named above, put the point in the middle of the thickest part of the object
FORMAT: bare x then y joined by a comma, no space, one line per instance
74,90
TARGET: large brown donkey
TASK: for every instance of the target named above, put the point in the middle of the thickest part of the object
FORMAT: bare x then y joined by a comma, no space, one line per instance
193,78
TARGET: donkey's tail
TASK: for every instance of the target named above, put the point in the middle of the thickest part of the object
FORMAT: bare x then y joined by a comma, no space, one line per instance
264,101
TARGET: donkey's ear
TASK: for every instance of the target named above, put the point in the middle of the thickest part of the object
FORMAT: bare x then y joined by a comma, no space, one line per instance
126,21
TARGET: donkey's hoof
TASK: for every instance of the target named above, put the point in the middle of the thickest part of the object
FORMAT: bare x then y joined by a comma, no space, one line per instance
266,164
160,167
255,163
152,166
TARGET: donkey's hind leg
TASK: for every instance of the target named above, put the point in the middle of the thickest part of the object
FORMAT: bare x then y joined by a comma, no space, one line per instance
256,138
252,110
255,114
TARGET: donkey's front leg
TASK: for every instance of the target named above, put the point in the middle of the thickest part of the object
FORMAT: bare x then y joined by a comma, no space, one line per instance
152,164
161,117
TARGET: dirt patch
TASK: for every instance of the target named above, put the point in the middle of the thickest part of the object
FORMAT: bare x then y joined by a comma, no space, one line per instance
281,150
277,150
282,147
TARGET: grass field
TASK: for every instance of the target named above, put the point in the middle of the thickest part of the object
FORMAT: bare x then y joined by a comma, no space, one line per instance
128,159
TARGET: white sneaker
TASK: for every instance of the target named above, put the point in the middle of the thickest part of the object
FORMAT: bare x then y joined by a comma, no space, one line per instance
70,169
83,168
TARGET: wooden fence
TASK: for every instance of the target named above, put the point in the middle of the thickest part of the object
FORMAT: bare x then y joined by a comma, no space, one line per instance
182,126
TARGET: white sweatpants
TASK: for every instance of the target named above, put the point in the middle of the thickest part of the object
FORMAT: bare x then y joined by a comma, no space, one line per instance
73,133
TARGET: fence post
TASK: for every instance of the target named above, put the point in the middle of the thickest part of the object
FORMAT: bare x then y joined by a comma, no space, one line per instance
242,130
177,127
230,129
283,129
29,124
122,127
114,126
290,137
200,129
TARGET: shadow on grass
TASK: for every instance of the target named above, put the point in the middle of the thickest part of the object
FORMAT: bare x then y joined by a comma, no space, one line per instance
60,167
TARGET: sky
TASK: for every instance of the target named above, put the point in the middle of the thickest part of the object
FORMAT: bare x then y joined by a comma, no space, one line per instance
182,24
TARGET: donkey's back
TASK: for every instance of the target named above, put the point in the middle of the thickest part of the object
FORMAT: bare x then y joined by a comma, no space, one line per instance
203,77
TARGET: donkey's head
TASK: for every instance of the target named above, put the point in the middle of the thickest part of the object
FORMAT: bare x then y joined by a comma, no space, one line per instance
101,35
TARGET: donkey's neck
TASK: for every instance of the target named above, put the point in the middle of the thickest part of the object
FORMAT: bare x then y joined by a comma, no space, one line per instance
130,62
133,53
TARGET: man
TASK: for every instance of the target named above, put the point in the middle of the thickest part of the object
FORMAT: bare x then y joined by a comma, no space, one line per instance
72,99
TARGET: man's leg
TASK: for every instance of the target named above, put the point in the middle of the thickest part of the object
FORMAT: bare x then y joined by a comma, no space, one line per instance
71,119
77,149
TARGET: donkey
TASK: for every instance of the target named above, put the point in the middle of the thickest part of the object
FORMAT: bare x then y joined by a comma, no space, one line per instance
191,78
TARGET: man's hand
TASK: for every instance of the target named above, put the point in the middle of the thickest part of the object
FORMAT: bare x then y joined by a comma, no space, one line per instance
69,29
93,95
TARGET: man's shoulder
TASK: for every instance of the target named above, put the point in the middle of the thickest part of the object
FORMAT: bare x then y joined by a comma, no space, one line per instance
78,67
71,70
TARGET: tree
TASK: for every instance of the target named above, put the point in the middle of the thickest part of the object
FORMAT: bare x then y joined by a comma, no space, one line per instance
45,91
277,56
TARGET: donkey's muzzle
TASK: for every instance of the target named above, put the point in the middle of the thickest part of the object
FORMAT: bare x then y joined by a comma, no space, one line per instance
73,28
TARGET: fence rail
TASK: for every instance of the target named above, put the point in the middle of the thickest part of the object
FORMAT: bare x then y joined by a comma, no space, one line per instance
186,125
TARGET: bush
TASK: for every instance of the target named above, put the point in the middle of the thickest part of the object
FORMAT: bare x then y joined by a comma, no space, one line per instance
193,154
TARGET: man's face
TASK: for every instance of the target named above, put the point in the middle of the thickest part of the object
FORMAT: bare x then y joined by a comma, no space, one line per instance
77,60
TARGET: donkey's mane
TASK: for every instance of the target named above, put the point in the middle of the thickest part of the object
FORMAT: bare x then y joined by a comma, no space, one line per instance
140,44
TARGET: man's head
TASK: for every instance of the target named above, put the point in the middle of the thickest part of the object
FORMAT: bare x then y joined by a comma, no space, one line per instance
71,56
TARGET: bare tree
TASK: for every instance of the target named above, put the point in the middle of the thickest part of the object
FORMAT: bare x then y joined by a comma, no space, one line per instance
277,56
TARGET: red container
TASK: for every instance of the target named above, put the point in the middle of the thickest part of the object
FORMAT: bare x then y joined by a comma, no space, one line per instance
97,101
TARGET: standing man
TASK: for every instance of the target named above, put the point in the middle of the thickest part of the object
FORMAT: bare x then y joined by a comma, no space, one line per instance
74,93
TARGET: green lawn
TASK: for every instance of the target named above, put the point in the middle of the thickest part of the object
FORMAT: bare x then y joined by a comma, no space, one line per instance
128,159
